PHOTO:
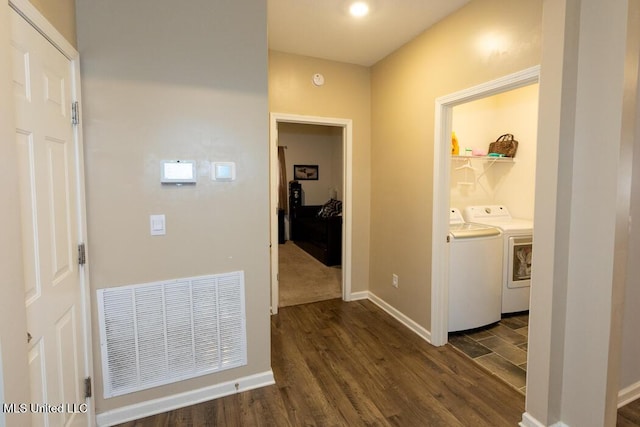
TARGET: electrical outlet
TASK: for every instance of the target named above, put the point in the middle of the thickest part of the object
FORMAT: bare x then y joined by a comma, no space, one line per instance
394,283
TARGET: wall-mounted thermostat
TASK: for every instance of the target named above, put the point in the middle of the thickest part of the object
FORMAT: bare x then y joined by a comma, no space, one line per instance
223,171
178,172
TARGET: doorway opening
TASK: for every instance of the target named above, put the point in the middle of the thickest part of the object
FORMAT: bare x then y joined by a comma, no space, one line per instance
447,191
310,235
310,218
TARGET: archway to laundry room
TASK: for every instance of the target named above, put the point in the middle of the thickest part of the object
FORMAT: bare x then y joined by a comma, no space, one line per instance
493,332
310,194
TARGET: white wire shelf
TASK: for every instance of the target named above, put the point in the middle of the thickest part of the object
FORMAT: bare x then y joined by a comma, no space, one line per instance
485,158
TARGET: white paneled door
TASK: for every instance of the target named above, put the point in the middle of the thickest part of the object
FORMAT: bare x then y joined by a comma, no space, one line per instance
42,83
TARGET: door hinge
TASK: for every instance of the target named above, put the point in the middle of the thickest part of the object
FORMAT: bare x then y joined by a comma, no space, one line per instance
82,254
87,387
75,113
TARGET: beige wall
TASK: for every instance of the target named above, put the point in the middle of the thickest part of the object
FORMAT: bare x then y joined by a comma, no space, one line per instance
167,80
449,57
61,14
478,123
13,331
345,95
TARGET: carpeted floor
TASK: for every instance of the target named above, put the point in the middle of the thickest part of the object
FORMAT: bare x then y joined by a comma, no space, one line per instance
303,279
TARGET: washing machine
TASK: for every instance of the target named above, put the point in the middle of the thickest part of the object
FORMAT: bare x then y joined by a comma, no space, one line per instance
475,273
517,252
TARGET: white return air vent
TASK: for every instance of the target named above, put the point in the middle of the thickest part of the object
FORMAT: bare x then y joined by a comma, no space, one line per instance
158,333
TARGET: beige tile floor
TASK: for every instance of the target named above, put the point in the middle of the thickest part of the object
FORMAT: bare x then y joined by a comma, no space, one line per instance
500,348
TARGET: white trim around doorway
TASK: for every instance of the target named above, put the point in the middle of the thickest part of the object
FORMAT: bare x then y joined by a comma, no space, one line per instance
441,169
44,27
347,185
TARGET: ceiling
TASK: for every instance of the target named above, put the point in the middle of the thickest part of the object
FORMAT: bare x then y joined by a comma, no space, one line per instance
324,28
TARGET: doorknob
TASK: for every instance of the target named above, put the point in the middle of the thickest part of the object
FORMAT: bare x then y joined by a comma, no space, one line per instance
29,337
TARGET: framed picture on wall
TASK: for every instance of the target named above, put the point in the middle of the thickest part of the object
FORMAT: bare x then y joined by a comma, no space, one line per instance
305,172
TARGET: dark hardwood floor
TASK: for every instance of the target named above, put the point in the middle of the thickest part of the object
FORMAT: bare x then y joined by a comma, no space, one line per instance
629,415
351,364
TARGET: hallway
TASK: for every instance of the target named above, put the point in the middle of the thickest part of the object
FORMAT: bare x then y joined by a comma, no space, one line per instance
351,364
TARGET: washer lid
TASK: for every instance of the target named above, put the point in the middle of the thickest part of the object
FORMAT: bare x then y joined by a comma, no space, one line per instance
471,230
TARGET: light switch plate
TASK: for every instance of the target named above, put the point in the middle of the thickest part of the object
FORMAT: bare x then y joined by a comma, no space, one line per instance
157,225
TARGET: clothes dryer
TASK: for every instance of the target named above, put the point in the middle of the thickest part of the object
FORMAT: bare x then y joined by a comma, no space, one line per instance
517,252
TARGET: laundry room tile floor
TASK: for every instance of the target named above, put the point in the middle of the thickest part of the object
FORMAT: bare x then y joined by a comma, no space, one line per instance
501,348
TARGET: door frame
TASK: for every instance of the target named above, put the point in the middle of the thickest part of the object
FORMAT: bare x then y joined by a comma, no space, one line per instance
347,185
49,32
441,184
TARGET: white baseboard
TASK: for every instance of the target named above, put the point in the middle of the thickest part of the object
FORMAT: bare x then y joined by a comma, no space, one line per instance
629,394
529,421
399,316
355,296
625,396
169,403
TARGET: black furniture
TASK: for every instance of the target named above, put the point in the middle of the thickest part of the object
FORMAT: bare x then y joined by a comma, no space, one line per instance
318,235
281,239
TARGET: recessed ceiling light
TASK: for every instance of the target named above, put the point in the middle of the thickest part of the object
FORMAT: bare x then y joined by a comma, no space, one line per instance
359,9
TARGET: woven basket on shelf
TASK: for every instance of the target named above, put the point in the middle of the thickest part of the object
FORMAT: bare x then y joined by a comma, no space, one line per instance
505,145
